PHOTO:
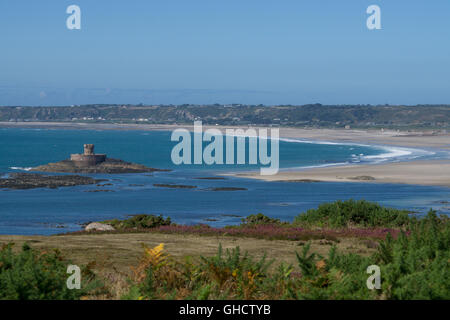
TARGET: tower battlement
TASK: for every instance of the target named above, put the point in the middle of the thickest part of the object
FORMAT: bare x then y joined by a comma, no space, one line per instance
88,158
88,149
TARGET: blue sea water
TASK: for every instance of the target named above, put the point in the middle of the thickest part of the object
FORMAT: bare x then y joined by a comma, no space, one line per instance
49,211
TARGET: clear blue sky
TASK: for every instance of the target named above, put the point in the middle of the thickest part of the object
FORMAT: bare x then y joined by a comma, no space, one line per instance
229,51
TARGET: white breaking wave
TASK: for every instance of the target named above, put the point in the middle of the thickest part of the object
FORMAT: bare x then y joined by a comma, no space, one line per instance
392,153
317,166
389,153
21,168
396,153
323,142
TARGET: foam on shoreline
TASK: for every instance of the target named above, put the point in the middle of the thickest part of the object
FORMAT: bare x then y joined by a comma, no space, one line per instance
390,154
21,168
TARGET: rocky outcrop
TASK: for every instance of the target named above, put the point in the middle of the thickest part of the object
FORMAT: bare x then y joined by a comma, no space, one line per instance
108,166
33,180
173,186
228,189
96,226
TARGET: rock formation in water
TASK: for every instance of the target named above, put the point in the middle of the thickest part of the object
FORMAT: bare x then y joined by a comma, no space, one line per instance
32,180
89,162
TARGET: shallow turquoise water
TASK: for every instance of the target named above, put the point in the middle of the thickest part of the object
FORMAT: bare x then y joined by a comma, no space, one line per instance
46,211
31,147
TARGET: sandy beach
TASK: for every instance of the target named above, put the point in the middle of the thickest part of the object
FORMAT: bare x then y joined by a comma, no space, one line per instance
432,172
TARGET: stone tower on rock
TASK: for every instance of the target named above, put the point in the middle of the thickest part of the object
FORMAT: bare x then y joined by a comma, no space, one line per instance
88,158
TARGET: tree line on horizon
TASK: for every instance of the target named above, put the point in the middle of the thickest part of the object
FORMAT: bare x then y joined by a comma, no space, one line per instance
311,115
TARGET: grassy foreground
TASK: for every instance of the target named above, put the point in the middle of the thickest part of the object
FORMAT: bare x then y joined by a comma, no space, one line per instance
112,256
161,263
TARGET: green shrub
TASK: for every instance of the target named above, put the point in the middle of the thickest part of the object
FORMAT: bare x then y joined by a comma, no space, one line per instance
255,219
340,276
414,266
31,275
227,275
140,221
417,266
233,263
360,213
